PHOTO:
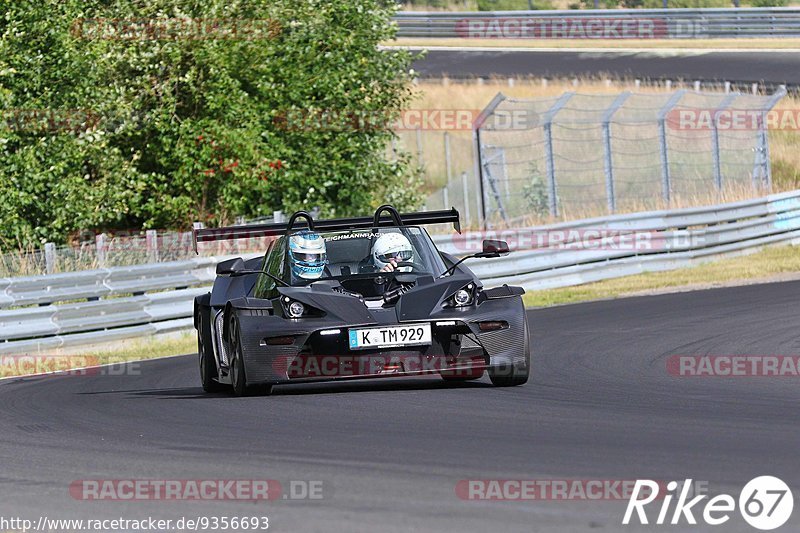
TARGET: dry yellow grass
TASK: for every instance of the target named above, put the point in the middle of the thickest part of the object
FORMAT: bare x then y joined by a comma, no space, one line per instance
471,95
683,44
769,264
83,357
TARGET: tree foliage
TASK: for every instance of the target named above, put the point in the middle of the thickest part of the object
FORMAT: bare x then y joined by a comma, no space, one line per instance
107,126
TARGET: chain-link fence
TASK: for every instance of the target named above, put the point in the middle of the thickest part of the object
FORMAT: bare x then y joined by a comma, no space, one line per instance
445,159
578,155
122,249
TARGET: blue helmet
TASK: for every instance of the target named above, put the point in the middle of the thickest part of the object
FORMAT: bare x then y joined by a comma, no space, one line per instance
307,254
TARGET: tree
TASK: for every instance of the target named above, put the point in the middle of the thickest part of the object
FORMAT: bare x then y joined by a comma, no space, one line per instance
157,113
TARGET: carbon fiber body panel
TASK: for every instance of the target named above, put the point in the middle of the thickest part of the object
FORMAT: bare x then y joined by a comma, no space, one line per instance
452,346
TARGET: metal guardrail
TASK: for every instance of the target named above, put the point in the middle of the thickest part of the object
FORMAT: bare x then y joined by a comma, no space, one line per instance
597,24
570,255
94,306
43,313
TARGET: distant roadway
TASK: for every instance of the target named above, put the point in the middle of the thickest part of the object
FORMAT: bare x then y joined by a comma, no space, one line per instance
774,67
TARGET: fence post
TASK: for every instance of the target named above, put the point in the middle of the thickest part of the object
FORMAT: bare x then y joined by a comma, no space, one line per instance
445,197
420,153
465,187
762,151
151,239
547,124
49,257
100,249
491,181
478,155
196,226
447,164
608,162
715,138
662,142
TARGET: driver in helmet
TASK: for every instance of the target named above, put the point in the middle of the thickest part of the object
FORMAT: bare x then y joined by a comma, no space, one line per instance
389,249
307,255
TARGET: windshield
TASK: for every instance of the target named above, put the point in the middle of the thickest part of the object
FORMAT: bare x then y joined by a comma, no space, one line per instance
354,252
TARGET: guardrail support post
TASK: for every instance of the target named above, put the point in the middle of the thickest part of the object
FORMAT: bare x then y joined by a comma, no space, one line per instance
49,257
715,139
100,249
607,159
151,239
662,142
550,166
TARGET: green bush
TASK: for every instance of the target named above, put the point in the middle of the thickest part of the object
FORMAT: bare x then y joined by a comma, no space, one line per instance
158,133
658,4
535,193
513,5
769,3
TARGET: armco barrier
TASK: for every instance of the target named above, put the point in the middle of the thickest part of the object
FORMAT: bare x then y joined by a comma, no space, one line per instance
681,236
62,310
120,304
610,23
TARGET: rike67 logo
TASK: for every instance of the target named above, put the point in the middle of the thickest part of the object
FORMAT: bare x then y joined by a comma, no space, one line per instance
765,503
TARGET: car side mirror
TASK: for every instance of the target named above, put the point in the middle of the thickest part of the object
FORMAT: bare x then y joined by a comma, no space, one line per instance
230,267
492,248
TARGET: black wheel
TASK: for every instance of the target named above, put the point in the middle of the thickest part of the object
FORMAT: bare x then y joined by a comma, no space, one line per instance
510,375
208,367
238,374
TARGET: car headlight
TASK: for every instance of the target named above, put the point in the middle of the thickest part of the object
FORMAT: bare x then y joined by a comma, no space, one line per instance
294,309
462,297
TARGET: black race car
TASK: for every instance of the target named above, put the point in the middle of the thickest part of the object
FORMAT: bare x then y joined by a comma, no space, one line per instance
265,324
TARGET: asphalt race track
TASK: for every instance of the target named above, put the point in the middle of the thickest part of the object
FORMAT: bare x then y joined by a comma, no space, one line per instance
773,67
389,454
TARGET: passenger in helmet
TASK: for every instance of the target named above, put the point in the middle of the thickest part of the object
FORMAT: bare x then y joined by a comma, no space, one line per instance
307,255
389,249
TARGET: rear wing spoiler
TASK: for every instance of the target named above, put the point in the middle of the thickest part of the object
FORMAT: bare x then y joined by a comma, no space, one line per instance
395,219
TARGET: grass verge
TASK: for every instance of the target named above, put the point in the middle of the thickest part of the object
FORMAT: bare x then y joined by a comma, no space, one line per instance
769,264
133,350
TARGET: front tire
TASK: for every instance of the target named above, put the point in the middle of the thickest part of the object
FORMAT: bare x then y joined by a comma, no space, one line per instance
238,374
208,367
511,375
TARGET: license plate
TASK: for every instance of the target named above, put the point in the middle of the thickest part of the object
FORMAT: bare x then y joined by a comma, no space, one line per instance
390,336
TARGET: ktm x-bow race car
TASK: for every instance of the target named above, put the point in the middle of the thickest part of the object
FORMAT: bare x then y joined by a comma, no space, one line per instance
352,298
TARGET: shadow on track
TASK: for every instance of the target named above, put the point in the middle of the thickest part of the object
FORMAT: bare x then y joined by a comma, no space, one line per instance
301,389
